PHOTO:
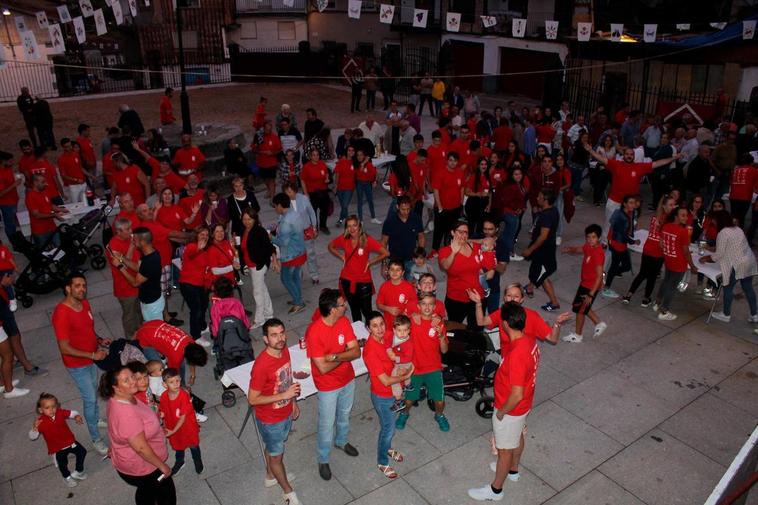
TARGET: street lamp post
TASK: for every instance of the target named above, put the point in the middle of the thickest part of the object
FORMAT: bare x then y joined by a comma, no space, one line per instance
6,15
183,96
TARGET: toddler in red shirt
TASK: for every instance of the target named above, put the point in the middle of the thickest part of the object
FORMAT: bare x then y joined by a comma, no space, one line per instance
51,423
179,421
487,260
401,353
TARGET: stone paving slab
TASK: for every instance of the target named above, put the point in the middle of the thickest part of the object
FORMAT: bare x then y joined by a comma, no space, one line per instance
594,489
741,388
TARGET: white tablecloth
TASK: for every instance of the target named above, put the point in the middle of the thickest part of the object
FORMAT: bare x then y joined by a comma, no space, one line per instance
240,375
711,270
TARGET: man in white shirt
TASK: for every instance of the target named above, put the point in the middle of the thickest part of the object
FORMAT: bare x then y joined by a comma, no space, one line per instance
407,133
576,129
372,130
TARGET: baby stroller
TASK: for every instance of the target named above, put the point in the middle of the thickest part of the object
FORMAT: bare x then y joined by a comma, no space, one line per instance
232,348
469,367
49,267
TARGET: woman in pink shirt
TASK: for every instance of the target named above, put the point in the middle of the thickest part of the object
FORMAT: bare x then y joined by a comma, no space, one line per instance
138,445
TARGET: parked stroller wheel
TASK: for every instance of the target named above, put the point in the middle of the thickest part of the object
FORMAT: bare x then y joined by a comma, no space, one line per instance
228,399
98,262
27,301
485,407
95,250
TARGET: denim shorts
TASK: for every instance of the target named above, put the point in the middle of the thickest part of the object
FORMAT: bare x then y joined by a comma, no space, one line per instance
274,435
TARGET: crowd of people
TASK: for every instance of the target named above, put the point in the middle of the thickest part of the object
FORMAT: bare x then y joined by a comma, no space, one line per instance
472,182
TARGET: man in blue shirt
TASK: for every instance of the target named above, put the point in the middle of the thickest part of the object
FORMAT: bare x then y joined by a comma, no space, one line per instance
402,232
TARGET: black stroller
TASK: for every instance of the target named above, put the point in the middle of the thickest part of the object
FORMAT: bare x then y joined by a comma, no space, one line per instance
49,266
469,367
233,347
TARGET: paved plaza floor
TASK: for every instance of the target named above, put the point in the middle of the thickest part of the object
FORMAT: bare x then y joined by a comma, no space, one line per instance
651,413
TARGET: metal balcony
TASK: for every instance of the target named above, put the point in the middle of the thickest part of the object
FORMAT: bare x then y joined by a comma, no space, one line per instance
270,7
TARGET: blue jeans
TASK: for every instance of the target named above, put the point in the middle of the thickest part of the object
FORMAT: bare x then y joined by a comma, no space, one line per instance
383,407
407,265
8,213
493,301
41,239
747,288
508,236
86,381
345,196
153,311
291,279
559,208
274,435
365,188
311,263
577,173
333,406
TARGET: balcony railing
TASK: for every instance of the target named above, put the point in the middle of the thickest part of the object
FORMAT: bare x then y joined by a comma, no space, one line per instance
269,6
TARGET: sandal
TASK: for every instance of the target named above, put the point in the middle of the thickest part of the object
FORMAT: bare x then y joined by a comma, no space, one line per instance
395,455
388,471
528,293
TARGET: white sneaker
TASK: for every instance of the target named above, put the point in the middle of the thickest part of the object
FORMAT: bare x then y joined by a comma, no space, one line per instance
201,418
600,329
204,342
430,226
485,493
573,337
70,482
720,316
273,482
206,332
558,240
666,316
609,293
102,423
101,447
240,282
516,257
16,393
513,477
655,306
13,305
709,295
753,318
291,499
14,383
375,221
79,475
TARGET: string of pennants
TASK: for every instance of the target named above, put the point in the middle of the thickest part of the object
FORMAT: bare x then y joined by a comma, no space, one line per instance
518,25
29,41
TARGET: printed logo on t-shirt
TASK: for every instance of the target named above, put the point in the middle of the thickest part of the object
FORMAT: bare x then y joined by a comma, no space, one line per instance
128,180
402,298
89,313
634,174
341,339
283,383
432,332
669,244
177,215
360,251
178,412
193,158
739,176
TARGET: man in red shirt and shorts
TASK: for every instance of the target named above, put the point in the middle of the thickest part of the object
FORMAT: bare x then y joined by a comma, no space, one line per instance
273,393
331,346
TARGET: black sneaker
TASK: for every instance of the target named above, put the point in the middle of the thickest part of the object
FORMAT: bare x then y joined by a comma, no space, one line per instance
177,468
199,467
626,299
324,471
175,322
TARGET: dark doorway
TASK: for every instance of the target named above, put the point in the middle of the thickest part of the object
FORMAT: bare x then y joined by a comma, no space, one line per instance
468,59
539,86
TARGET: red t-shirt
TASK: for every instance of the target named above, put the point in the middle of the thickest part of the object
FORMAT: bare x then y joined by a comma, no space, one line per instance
272,376
172,217
484,183
402,296
166,339
518,368
132,217
194,265
70,165
87,151
437,157
126,181
109,168
345,175
8,179
743,182
626,177
55,431
378,363
188,160
427,357
366,173
166,110
535,327
6,259
272,143
593,257
449,184
314,176
188,202
161,241
652,245
502,137
79,329
357,257
40,202
419,171
189,434
323,340
221,255
173,181
245,253
45,168
121,287
463,274
674,239
461,147
545,133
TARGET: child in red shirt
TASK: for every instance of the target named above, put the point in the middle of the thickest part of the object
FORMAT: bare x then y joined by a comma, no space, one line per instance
488,261
401,353
141,375
51,423
427,285
179,421
260,114
8,268
396,296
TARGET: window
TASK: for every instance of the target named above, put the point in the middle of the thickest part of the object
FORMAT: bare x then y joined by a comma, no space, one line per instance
249,30
286,30
699,78
189,39
465,8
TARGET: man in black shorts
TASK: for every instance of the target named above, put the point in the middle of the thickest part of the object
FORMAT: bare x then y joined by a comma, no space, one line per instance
541,250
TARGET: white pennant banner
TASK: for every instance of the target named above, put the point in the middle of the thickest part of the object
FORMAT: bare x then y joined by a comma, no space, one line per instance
87,9
117,12
42,20
489,21
56,39
288,3
354,9
682,26
3,58
79,30
64,14
20,24
551,30
617,30
649,32
718,26
133,7
322,4
453,22
748,29
29,41
419,18
102,28
519,27
583,31
386,13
